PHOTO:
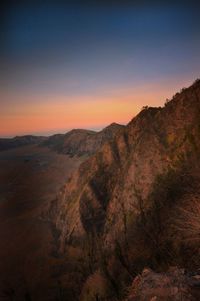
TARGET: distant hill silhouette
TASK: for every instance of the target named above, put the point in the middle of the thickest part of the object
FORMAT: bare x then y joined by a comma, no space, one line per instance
82,142
18,141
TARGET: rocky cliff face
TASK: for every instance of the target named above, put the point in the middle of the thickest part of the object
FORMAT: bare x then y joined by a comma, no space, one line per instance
108,185
125,200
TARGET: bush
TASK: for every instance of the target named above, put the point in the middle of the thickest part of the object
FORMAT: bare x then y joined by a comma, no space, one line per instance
197,81
188,222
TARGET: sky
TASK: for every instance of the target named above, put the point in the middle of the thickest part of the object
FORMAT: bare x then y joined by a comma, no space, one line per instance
86,64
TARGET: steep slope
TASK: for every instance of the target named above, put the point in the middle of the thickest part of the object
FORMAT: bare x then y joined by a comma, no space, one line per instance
31,176
151,143
121,200
82,142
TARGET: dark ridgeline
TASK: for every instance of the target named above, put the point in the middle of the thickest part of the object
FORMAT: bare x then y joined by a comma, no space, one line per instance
18,141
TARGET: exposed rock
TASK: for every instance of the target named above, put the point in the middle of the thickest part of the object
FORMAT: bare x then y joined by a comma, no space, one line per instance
123,200
111,185
173,285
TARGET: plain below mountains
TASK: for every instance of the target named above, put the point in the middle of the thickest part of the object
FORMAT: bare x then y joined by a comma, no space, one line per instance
33,170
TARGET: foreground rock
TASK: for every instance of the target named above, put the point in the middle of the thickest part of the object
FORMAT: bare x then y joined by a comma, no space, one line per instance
174,285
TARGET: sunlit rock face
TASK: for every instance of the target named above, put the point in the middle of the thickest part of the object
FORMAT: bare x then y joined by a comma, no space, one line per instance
106,186
123,204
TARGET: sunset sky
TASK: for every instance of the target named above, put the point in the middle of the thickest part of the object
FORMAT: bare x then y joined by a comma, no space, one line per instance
85,64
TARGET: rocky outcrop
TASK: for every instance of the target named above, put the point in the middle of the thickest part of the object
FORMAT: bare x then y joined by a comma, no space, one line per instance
174,285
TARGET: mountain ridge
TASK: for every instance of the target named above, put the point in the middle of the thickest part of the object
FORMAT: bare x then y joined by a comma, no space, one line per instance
139,123
116,188
68,143
82,142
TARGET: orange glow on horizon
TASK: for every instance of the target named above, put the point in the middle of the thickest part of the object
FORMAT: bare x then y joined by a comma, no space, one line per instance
61,116
44,114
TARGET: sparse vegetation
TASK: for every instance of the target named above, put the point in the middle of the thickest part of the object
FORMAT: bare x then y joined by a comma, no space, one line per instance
144,108
188,222
197,81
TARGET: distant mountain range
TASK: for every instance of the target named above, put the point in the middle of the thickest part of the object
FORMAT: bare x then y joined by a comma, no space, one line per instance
75,142
109,215
9,143
82,142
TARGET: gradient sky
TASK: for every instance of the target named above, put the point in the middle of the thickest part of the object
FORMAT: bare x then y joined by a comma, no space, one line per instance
85,64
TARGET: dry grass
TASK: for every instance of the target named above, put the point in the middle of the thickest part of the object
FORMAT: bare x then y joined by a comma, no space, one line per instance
188,222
